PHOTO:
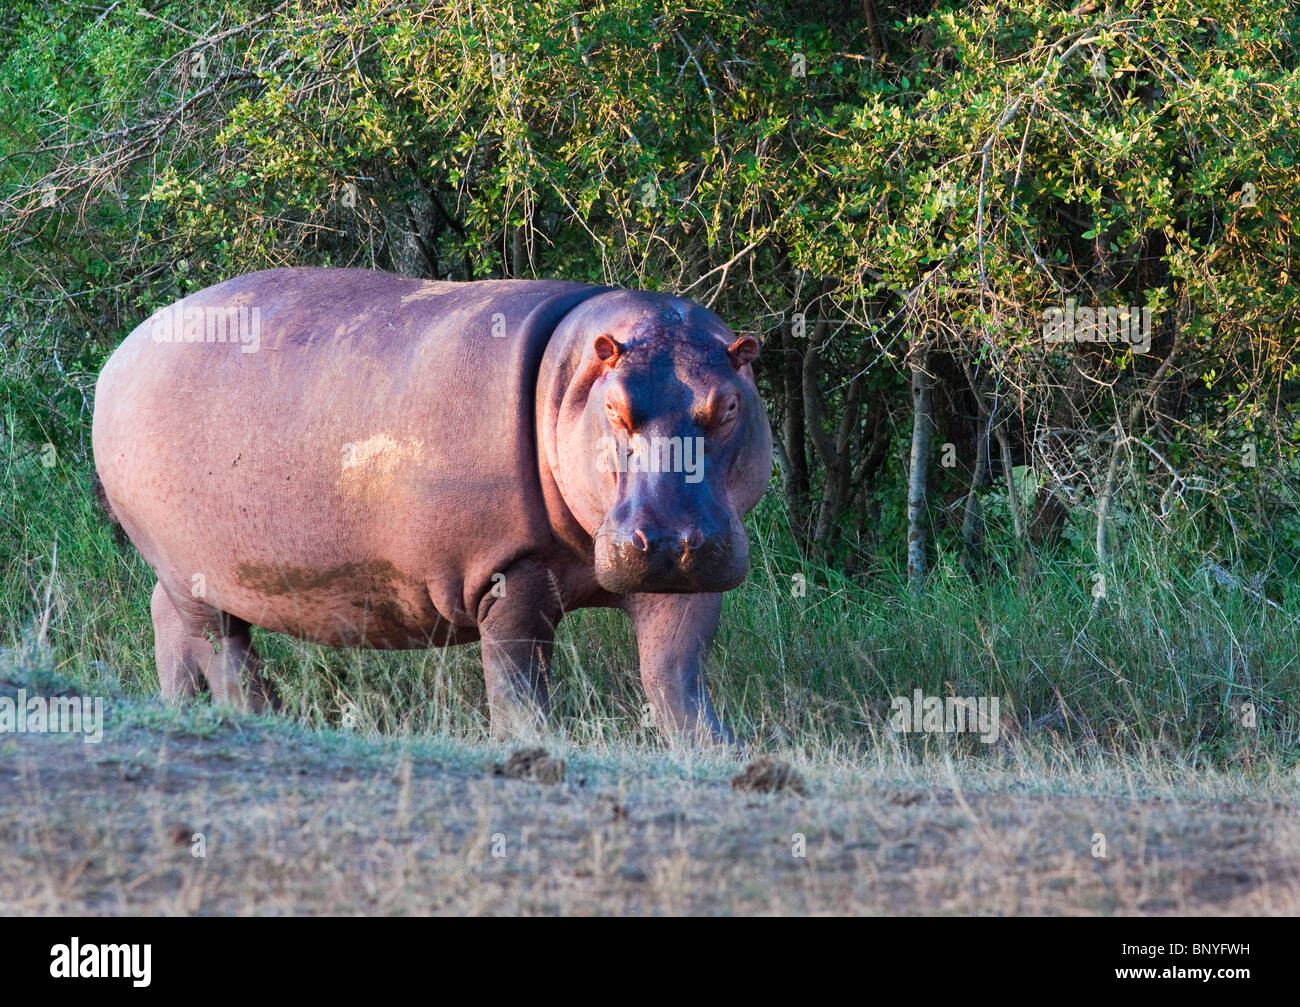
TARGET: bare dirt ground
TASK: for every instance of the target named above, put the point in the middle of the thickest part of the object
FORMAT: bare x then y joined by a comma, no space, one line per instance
299,822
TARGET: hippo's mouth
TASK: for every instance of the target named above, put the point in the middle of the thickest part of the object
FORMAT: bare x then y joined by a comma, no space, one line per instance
628,566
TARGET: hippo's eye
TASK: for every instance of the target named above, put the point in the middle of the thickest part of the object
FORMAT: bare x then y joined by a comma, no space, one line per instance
616,416
720,411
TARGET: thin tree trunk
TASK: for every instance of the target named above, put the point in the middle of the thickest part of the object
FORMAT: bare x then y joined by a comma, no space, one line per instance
518,253
786,468
814,414
1013,491
873,28
864,475
796,481
839,481
1004,452
972,522
1107,494
922,423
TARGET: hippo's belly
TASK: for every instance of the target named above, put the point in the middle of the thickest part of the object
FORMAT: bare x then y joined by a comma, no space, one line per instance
357,604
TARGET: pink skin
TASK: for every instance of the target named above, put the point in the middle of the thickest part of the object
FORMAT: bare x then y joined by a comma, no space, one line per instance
405,464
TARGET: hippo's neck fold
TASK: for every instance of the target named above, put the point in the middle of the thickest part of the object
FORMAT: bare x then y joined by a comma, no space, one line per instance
564,381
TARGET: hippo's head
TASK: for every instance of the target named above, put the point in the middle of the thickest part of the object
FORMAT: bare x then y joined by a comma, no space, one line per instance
661,443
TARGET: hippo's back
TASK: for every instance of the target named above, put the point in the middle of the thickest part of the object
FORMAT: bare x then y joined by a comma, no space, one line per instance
333,453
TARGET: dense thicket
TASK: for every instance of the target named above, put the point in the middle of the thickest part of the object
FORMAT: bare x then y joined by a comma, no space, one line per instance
894,197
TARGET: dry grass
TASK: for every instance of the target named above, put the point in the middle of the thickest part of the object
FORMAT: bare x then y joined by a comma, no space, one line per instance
319,822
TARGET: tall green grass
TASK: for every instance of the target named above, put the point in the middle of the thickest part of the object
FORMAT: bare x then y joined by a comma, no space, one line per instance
1164,664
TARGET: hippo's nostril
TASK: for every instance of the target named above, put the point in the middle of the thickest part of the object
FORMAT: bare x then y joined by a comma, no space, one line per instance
693,539
639,540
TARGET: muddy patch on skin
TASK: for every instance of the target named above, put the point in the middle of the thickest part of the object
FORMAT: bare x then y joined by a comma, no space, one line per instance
269,579
350,604
374,578
386,620
534,764
767,776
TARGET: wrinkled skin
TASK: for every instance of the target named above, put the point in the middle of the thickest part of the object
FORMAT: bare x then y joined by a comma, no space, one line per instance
407,464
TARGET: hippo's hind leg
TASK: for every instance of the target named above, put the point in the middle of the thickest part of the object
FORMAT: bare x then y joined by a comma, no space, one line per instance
517,627
195,642
179,672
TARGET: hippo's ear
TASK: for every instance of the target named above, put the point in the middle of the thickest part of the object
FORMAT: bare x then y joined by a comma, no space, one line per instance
743,351
607,349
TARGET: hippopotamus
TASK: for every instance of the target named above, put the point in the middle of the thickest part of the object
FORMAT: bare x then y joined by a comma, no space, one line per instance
368,460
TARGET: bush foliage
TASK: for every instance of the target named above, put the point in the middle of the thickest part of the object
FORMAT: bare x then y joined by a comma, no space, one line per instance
893,196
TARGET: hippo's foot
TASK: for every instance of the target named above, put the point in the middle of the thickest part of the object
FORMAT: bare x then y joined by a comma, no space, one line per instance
518,722
701,733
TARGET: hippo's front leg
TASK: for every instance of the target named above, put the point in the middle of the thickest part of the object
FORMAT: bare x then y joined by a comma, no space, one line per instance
517,628
673,634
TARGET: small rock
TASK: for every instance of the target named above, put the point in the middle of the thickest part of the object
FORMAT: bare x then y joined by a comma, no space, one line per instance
767,776
533,764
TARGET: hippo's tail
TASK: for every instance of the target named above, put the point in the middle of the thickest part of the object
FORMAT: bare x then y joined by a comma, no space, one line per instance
101,498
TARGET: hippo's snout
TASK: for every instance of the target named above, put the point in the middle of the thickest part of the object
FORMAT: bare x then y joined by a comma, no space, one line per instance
636,556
